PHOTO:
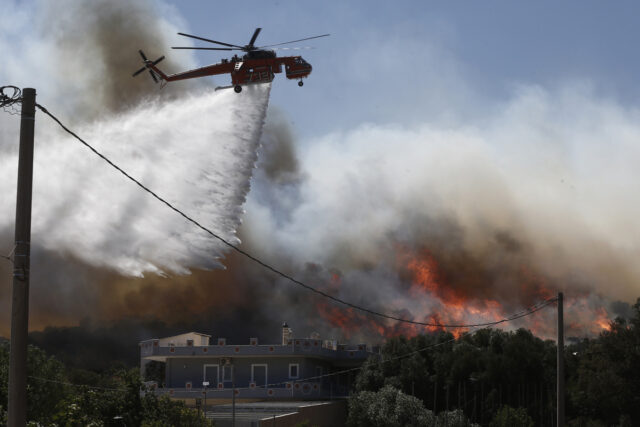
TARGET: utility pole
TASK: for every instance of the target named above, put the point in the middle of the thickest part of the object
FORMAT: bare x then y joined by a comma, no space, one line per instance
20,302
560,391
233,396
229,364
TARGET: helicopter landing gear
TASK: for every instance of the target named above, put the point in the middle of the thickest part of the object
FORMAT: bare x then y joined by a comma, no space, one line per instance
300,83
237,89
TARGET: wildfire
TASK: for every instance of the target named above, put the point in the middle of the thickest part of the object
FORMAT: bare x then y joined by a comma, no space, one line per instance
429,298
425,280
585,318
603,320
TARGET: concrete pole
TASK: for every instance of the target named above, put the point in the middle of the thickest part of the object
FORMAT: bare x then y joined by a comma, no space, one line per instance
205,403
20,302
560,391
435,395
233,397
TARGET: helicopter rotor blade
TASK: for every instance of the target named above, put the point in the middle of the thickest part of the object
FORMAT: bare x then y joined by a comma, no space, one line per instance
139,71
294,41
293,48
254,37
206,48
209,40
147,65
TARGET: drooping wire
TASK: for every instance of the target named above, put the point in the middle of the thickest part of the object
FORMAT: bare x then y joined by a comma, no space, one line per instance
8,100
77,385
8,257
254,258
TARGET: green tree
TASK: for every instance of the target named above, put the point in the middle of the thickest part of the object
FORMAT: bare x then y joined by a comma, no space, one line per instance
585,422
45,383
388,407
476,373
509,417
604,379
154,371
120,399
455,418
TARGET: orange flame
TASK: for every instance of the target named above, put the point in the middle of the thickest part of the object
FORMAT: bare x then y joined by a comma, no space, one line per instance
439,303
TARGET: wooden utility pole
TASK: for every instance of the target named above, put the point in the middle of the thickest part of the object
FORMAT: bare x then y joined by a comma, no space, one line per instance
560,391
20,302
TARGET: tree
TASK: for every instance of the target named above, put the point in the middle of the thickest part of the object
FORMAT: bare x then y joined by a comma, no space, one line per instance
508,417
121,399
154,371
52,400
388,407
45,383
604,380
476,373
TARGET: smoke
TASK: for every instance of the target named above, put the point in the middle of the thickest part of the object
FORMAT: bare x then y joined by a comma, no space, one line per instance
464,223
82,54
440,220
90,225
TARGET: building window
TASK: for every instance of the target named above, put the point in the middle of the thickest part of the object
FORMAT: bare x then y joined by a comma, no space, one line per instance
226,373
259,374
210,375
294,370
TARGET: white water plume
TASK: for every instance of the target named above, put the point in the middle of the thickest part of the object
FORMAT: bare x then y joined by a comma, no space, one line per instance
197,152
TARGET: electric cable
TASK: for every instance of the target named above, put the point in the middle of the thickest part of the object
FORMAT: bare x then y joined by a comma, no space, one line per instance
8,101
254,258
77,385
8,257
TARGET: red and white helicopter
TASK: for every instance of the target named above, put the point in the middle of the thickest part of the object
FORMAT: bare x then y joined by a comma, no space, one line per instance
258,65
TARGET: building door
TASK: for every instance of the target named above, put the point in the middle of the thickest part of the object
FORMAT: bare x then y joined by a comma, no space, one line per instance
259,375
211,375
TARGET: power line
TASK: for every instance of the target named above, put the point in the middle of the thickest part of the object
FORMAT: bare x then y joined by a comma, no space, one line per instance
254,258
77,385
8,257
8,101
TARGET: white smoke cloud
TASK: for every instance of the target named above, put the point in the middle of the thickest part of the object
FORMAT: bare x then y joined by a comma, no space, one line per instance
555,171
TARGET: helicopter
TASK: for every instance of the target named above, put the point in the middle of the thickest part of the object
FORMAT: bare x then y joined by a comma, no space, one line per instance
259,64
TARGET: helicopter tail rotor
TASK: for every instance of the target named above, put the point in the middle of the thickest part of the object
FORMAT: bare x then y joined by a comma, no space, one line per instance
148,64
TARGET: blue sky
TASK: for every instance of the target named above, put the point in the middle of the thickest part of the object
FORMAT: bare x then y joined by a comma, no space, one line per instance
385,60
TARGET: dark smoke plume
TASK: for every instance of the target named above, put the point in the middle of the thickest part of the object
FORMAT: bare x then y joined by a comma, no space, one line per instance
96,53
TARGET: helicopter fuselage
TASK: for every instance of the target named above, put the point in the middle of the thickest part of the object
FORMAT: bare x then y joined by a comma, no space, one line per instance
253,67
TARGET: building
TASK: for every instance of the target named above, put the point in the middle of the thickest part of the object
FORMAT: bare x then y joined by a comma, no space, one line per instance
198,367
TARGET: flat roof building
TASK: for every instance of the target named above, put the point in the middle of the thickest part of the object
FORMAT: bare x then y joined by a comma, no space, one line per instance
197,366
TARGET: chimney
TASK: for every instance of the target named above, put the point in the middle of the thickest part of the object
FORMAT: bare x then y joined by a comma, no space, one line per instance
287,334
